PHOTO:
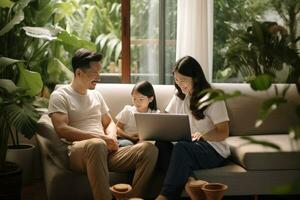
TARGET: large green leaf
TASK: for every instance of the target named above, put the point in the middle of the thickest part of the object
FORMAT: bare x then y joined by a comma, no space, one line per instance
8,85
87,26
6,3
29,80
21,4
18,18
63,9
23,118
45,12
4,62
72,42
47,33
111,45
58,72
261,82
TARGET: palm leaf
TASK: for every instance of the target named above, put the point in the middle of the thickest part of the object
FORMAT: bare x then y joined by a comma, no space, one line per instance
23,119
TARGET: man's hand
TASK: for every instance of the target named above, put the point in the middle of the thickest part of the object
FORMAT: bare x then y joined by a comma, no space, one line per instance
134,137
112,143
197,136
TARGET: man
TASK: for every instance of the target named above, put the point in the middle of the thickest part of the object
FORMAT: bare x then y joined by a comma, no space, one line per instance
80,115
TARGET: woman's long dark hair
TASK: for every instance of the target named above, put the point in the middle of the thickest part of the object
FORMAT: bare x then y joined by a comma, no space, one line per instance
146,89
188,66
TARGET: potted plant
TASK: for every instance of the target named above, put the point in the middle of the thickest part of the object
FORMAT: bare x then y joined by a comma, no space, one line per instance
264,48
261,54
17,115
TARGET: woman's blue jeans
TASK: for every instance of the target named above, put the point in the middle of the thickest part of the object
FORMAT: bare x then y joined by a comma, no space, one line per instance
187,157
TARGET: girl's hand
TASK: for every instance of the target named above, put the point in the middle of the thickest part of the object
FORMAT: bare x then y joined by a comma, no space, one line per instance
197,136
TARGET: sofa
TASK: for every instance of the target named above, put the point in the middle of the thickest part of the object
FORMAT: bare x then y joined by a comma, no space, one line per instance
253,169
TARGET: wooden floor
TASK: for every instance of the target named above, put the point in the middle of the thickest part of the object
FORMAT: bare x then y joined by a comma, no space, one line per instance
34,191
37,191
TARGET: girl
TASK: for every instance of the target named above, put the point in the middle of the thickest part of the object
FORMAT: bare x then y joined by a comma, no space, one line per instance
144,100
209,129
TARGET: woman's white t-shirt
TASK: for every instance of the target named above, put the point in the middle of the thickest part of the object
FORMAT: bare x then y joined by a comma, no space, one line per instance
126,117
214,114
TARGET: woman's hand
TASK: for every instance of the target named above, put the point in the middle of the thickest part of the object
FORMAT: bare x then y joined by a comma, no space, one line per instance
197,136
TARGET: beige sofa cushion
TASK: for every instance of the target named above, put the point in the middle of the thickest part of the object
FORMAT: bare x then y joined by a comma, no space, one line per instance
259,157
51,143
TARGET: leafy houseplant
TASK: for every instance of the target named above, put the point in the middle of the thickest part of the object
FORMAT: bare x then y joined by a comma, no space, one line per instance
264,48
17,114
259,54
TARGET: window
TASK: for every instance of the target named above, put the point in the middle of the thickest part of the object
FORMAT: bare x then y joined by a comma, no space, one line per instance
231,18
152,42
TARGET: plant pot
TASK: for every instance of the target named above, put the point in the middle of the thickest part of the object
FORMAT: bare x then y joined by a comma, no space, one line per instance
23,156
11,182
194,189
214,191
120,191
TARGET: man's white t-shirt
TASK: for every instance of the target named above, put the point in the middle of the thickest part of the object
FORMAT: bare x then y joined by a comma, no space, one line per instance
126,117
214,114
84,111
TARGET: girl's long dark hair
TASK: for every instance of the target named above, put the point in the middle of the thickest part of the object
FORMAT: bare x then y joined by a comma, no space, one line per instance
188,66
146,89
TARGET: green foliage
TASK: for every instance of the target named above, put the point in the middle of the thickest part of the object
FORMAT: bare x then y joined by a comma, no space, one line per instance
264,48
230,16
261,82
17,115
233,17
268,106
213,95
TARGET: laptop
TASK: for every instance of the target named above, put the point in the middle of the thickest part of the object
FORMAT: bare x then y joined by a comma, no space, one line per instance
163,126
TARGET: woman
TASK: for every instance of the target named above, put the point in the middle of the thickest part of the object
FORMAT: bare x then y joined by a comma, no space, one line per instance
209,129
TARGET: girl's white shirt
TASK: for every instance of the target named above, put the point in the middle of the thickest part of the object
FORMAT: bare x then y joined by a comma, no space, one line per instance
214,114
126,117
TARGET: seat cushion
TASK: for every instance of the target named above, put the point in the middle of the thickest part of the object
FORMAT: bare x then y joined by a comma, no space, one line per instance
263,157
51,144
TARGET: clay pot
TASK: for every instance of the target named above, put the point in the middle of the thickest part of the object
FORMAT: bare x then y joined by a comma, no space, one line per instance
214,191
194,189
120,191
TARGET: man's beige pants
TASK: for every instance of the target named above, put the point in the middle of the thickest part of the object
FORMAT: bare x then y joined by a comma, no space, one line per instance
92,157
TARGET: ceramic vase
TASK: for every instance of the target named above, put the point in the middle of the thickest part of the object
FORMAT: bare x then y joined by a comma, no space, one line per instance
120,191
214,191
194,189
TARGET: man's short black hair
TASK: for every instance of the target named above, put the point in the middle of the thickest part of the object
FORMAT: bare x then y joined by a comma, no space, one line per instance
83,57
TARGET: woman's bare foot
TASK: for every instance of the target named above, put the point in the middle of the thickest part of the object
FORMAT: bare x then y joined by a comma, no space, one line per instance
161,197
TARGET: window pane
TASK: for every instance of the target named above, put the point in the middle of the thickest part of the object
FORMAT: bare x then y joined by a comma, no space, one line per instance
144,40
170,50
107,36
237,59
